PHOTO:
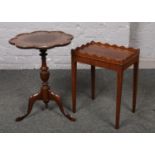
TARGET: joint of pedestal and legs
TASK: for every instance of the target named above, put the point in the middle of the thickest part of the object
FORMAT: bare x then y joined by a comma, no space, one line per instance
45,84
44,68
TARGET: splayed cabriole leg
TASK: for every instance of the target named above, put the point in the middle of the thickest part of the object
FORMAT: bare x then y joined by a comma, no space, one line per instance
74,74
57,99
45,93
32,100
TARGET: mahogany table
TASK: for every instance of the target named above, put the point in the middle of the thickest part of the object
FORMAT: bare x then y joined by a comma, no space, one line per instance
117,58
43,40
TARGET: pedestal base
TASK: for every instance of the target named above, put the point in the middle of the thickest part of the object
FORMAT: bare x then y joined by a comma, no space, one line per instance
39,96
45,93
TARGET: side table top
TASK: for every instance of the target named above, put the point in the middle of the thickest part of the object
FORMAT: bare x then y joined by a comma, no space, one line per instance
41,39
106,52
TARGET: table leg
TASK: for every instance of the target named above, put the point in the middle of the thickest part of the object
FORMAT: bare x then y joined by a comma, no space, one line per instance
32,100
57,99
118,98
93,82
135,80
74,74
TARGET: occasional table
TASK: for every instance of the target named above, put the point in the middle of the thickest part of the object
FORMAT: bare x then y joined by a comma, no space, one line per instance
43,40
113,57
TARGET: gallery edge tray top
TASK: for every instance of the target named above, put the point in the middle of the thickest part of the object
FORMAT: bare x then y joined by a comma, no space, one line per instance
106,52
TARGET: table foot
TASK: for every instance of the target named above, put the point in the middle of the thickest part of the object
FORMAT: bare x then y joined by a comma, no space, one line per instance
32,100
18,119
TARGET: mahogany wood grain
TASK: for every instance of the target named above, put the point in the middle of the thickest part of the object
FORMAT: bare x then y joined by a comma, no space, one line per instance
41,39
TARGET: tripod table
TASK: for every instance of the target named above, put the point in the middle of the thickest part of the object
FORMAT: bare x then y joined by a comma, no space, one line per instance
43,40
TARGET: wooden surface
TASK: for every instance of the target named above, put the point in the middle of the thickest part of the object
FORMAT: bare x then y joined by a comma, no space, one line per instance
117,58
106,52
41,39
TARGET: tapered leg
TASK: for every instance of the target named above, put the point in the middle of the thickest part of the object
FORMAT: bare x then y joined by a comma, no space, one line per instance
32,100
118,98
93,82
135,81
74,74
57,99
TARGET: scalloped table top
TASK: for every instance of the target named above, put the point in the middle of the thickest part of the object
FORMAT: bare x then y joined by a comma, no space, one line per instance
41,39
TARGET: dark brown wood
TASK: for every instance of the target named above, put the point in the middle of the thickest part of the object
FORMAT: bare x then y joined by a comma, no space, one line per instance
93,82
41,39
118,97
74,72
135,81
114,57
30,40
